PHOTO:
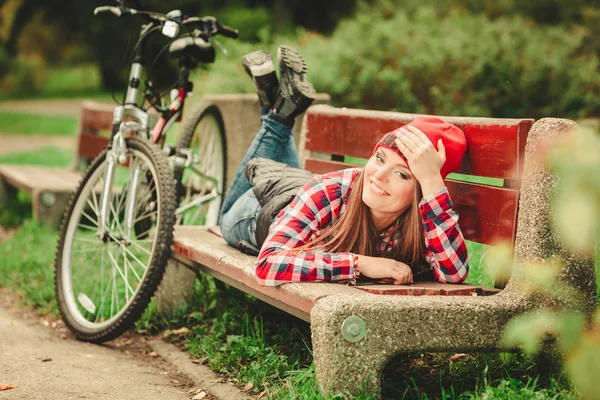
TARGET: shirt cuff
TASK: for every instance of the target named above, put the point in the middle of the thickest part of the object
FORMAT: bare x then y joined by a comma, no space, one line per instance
435,204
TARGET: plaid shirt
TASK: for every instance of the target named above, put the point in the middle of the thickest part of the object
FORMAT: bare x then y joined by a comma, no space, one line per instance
319,204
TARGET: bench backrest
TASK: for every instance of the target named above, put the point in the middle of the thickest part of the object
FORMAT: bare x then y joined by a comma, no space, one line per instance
95,124
485,193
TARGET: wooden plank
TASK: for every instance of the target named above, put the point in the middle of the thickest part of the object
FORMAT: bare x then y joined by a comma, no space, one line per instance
317,166
30,178
206,249
429,289
96,117
494,145
487,214
90,145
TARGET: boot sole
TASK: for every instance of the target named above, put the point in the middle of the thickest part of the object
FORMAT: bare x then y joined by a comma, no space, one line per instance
258,63
292,60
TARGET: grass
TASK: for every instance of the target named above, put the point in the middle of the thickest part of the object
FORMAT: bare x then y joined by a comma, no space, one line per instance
252,342
26,265
18,123
48,156
81,81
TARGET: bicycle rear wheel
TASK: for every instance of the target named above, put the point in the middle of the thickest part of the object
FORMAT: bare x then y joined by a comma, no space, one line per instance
103,284
200,197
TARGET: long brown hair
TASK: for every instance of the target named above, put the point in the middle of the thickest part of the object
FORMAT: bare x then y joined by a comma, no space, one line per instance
355,231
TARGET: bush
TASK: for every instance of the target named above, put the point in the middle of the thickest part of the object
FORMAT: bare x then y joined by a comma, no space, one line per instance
460,65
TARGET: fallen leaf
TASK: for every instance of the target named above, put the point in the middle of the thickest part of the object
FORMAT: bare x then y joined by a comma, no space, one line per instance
153,354
196,361
200,396
458,356
46,359
54,325
45,323
180,331
204,360
248,387
261,395
7,387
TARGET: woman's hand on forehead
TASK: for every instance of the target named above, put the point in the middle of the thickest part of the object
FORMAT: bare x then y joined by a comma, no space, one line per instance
424,160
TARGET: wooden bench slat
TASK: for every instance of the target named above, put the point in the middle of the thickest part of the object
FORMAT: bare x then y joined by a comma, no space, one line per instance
217,258
495,146
90,145
96,117
429,289
487,213
30,178
202,249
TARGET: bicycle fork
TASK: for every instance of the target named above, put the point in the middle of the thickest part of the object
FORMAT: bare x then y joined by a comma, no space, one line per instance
117,153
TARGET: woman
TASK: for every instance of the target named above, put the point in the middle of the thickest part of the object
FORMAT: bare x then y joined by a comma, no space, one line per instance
392,219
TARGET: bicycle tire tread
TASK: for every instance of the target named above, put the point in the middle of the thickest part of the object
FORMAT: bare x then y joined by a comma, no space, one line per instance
156,269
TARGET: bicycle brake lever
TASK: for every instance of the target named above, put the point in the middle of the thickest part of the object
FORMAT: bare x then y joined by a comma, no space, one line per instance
219,45
115,10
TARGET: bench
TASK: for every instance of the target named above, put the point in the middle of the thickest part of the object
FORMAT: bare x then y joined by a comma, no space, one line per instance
357,330
51,188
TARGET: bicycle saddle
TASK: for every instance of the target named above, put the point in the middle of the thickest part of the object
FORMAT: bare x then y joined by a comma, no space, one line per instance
192,47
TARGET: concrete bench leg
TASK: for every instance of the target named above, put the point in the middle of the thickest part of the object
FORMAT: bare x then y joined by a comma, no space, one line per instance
7,192
176,287
49,207
342,366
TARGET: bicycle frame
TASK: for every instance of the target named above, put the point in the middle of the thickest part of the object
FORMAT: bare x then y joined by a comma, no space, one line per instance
131,118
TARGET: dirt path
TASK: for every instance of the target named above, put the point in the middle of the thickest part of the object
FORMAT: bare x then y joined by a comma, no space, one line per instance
43,365
63,107
28,143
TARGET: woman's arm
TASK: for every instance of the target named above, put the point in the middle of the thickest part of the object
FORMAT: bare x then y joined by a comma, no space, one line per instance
313,209
446,249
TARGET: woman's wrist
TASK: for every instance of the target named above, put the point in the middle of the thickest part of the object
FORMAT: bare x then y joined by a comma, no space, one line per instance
355,270
432,185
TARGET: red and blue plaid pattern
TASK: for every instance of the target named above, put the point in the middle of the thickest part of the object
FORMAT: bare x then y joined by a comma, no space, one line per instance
319,204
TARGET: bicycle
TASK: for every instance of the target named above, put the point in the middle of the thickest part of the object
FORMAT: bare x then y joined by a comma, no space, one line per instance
118,228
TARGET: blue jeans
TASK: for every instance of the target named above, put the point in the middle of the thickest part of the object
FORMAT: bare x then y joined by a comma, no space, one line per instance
275,141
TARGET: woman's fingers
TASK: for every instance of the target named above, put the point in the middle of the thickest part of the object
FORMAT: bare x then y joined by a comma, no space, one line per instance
402,147
402,275
419,133
403,136
442,150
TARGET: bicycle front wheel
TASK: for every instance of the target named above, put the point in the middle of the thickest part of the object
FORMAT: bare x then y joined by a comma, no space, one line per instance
105,280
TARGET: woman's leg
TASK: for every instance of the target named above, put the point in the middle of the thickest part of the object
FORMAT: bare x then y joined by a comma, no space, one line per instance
239,223
275,141
294,95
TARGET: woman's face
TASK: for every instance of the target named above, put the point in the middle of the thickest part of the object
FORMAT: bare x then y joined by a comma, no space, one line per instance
388,188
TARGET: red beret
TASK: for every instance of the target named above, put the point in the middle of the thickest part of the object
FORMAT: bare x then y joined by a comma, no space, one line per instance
434,128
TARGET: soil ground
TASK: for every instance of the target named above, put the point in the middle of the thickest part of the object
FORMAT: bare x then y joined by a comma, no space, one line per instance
42,359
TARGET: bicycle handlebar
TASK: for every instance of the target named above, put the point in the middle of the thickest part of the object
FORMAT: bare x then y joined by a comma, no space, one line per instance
207,25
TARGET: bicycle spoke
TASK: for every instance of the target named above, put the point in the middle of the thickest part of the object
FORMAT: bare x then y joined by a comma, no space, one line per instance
145,216
91,228
128,264
127,286
141,248
132,255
